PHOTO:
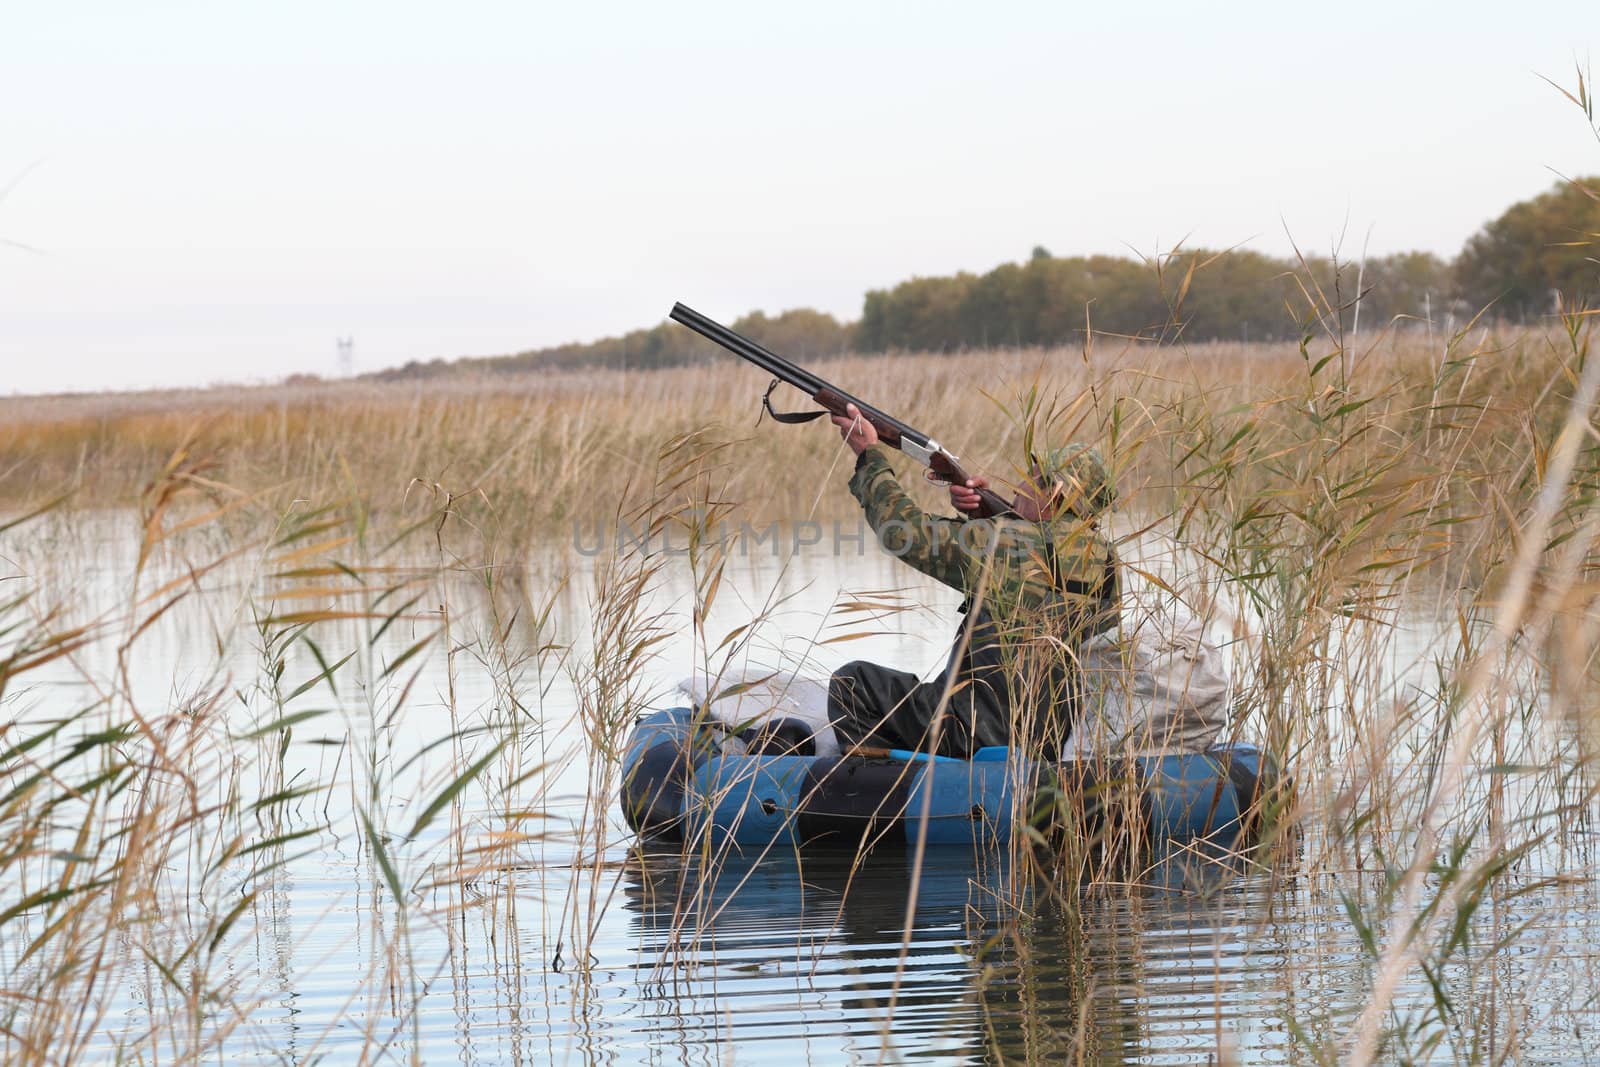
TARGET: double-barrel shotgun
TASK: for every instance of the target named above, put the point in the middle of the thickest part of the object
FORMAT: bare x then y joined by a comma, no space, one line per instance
942,465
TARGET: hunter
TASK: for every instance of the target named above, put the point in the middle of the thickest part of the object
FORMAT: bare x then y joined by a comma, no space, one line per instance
1037,582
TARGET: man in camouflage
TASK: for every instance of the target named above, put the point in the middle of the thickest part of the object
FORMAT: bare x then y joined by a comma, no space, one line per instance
1038,582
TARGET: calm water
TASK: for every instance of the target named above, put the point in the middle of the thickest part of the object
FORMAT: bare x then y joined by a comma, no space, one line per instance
566,954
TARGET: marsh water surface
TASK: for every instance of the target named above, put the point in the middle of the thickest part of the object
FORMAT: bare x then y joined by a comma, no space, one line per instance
573,944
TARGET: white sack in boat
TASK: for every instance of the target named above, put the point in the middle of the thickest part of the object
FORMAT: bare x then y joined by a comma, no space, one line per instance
751,698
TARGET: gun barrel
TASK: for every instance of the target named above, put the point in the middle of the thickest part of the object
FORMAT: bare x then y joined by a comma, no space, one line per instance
893,432
784,370
742,346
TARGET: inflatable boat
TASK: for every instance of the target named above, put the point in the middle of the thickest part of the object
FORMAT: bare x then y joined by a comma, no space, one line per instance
684,779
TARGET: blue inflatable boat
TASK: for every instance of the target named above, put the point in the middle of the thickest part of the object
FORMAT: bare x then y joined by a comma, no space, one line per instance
682,782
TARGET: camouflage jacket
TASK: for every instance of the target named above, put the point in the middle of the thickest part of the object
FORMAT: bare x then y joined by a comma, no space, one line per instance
1056,578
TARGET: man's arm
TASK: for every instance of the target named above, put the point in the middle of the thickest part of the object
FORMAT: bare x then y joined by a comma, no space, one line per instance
949,550
935,545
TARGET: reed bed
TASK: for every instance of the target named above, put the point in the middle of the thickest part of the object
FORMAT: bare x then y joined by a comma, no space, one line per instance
547,450
1397,530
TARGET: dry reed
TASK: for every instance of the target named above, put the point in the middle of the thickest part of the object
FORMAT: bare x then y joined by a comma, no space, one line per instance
1324,498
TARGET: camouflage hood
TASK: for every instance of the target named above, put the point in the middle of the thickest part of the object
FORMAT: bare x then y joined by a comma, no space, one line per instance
1083,477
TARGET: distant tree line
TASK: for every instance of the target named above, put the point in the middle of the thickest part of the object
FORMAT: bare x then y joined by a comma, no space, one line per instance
1539,247
1198,295
1514,267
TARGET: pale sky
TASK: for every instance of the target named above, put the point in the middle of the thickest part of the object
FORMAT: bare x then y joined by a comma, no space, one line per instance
216,191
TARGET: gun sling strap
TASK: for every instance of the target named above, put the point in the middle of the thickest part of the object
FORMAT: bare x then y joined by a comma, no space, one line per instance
791,418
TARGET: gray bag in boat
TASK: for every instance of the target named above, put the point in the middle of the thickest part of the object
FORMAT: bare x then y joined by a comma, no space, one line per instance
1155,684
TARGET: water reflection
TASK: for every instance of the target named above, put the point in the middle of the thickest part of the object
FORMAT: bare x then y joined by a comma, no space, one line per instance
808,951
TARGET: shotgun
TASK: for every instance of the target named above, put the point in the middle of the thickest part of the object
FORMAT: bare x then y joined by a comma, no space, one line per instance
942,465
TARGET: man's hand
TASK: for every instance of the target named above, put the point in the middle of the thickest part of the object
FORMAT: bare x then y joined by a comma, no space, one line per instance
857,432
965,497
